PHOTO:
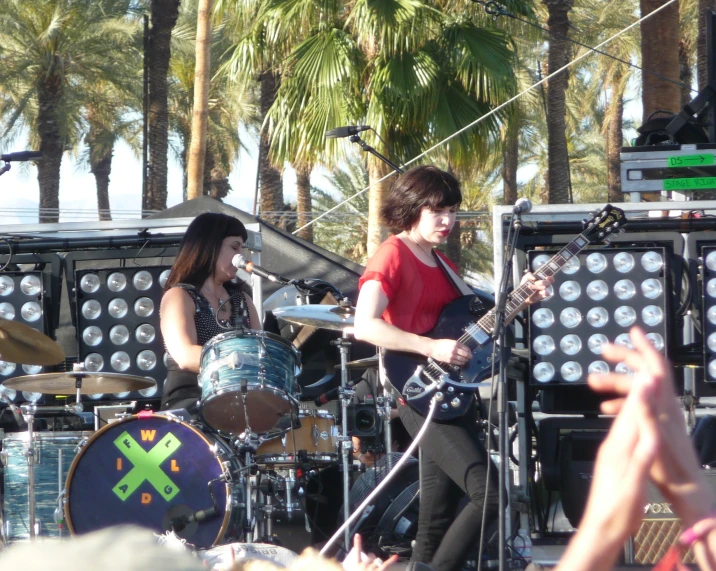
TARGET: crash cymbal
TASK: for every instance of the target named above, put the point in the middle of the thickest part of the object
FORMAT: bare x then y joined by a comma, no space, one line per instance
91,383
367,363
22,344
336,317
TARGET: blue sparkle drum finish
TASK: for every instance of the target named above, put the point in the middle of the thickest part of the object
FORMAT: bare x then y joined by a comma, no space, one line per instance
248,380
158,472
54,452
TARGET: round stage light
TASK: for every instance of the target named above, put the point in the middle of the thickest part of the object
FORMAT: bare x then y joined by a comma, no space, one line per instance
121,395
711,287
165,358
652,315
7,368
597,317
118,308
656,340
624,340
150,391
32,369
570,317
543,318
144,307
549,293
711,314
120,361
624,289
116,282
91,309
597,290
622,369
596,343
543,372
30,285
7,286
92,336
7,311
570,290
142,280
596,263
119,334
539,261
146,360
651,288
711,342
89,283
652,262
711,261
31,397
145,333
570,344
163,277
94,362
7,395
712,368
571,371
625,316
598,368
571,267
623,262
31,311
542,345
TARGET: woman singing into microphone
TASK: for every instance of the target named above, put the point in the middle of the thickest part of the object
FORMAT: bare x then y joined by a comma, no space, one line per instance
402,293
201,302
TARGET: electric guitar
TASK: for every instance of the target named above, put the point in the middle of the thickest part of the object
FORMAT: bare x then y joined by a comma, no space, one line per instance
418,378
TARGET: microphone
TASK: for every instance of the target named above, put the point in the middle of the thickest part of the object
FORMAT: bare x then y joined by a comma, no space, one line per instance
340,132
238,261
326,397
21,156
522,206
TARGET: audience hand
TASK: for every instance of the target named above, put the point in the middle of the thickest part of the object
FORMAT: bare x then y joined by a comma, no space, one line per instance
356,560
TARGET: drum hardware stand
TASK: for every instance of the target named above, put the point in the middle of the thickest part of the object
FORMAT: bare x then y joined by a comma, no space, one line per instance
247,444
346,394
28,414
384,407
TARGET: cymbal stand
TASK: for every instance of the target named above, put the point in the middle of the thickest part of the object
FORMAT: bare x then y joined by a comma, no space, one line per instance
28,414
248,443
346,394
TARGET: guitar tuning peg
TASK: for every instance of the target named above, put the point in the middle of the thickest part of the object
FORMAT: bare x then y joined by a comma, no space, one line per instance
602,235
622,230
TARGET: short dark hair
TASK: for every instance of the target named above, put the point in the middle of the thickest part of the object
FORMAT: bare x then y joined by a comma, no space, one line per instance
418,188
199,249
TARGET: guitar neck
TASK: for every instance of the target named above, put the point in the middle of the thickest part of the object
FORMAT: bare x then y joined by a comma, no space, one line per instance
479,332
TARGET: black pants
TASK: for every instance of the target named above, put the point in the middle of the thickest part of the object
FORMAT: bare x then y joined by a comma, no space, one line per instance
454,464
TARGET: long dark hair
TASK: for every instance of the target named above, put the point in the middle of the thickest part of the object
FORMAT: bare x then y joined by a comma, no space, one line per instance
199,249
418,188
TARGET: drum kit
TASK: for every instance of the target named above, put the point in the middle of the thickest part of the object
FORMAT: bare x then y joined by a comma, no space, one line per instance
226,476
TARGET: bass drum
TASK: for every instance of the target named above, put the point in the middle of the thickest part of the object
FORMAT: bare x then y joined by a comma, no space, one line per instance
158,472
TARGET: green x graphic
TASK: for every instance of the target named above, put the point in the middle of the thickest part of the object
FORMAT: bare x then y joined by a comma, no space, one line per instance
146,466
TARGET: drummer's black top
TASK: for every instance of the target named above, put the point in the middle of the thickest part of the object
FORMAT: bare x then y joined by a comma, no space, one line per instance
181,389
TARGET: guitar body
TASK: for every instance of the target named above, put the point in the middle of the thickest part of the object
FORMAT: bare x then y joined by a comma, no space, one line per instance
401,366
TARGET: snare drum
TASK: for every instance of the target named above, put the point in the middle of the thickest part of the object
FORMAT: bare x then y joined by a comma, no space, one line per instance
157,472
252,367
54,452
317,437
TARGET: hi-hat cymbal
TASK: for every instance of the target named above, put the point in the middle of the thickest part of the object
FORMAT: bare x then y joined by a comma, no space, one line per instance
336,317
20,343
367,363
90,383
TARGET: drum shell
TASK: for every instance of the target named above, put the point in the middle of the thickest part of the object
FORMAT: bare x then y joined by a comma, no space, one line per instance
252,367
200,469
54,452
317,437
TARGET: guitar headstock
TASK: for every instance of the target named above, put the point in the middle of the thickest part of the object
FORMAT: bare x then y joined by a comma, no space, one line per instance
603,223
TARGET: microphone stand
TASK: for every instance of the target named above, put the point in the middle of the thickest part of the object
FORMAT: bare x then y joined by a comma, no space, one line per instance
368,149
499,337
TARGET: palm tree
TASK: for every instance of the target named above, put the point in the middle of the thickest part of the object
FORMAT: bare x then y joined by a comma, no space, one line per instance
53,50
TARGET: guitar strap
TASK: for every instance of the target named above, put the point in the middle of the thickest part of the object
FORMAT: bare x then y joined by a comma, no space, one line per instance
454,279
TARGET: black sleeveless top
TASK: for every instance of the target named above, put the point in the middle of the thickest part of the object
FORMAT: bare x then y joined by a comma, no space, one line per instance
183,385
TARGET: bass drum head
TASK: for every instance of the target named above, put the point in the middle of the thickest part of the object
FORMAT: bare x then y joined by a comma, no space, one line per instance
155,472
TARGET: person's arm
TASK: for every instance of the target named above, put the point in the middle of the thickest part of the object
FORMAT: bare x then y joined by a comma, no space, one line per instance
179,330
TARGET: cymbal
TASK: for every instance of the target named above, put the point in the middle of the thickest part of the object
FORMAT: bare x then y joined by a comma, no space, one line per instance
367,363
91,383
335,317
22,344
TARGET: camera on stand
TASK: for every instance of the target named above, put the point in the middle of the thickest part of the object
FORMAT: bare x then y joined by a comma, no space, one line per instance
365,423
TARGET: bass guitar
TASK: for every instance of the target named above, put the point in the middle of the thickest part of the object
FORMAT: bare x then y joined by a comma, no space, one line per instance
418,378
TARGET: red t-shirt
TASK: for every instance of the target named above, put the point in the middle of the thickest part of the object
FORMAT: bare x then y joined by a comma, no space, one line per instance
416,293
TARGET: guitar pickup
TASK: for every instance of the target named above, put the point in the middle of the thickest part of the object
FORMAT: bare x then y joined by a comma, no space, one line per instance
477,334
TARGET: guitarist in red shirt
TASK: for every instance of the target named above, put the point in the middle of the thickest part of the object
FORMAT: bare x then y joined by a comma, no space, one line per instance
402,294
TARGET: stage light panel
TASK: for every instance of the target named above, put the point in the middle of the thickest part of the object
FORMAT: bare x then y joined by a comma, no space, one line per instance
606,292
118,323
708,255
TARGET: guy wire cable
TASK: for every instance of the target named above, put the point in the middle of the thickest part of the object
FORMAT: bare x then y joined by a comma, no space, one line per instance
492,111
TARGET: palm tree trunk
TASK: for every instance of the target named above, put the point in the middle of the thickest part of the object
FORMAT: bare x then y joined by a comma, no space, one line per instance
660,36
558,56
48,169
303,201
510,155
453,247
701,57
376,198
200,116
271,185
614,140
686,76
100,159
164,17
